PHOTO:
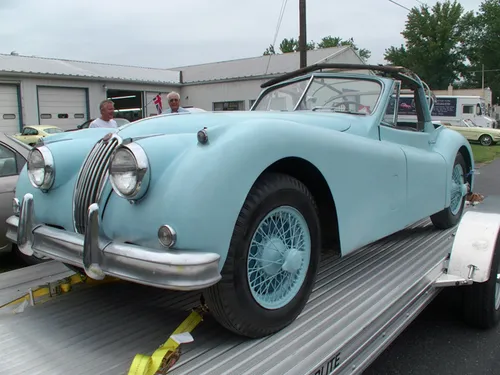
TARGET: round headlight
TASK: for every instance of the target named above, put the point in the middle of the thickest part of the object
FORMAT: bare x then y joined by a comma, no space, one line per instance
128,171
41,168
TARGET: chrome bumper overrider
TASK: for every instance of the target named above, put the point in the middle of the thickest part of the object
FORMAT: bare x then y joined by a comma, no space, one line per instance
100,256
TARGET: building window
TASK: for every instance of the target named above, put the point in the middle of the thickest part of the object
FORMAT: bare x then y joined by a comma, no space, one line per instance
79,115
250,102
229,106
45,116
9,116
62,115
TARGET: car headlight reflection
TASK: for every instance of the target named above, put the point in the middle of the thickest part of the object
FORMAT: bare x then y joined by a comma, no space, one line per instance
129,171
41,169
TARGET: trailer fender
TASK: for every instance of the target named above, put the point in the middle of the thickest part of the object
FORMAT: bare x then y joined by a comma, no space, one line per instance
474,246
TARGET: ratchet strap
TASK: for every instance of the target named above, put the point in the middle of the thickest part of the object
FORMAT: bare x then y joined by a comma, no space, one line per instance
169,352
44,292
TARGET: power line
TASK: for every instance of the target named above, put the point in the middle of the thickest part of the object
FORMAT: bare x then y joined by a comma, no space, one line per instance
280,18
398,4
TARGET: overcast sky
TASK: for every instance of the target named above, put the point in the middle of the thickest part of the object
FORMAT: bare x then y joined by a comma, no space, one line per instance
167,33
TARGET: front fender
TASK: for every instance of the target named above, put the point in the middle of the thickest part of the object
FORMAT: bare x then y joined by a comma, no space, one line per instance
448,144
199,189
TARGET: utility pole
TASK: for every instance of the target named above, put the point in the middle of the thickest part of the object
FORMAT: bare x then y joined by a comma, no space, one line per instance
302,34
482,80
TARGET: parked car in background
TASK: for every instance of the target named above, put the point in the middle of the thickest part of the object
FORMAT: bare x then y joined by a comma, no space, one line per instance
32,133
474,133
239,204
13,155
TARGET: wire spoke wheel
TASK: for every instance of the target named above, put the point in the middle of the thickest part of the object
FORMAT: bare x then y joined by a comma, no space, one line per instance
457,188
278,258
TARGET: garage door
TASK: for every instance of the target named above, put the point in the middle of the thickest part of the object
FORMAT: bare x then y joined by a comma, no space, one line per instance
62,107
150,103
9,109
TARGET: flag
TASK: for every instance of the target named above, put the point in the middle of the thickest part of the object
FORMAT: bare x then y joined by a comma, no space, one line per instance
157,101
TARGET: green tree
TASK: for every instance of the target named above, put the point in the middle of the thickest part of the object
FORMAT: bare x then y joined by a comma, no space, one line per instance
434,43
270,50
482,46
292,45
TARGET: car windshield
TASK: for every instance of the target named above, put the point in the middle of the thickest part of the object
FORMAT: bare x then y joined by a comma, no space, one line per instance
52,130
339,94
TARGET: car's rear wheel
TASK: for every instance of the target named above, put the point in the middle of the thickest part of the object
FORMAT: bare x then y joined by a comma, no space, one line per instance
451,215
486,140
272,261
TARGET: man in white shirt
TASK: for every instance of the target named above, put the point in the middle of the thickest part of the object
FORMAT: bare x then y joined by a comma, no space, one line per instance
174,102
106,120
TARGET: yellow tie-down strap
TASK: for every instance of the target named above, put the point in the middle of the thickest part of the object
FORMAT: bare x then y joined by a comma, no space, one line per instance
167,354
44,292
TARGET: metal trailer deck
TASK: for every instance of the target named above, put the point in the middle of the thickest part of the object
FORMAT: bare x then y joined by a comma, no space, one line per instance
359,305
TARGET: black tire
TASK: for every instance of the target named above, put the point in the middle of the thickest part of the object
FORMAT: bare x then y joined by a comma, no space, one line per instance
445,218
485,140
479,302
28,260
231,301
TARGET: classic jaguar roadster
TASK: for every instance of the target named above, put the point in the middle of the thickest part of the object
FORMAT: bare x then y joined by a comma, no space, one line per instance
238,205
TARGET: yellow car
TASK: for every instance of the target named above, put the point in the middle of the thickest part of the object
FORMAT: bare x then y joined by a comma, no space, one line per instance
31,134
485,136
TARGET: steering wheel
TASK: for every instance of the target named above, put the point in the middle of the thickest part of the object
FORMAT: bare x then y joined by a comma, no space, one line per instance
346,103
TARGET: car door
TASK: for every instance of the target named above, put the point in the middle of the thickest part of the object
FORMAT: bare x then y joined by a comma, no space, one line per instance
425,168
10,165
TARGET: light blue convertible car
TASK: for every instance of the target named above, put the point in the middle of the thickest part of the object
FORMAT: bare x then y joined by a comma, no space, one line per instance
238,205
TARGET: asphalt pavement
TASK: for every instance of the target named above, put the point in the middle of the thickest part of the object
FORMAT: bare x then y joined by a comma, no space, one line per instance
438,342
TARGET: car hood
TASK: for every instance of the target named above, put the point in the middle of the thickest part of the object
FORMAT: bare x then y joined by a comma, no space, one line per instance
193,122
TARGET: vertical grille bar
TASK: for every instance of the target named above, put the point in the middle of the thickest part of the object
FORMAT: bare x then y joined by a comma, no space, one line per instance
91,179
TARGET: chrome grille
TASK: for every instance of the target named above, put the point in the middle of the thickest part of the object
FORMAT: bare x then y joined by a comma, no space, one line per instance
91,179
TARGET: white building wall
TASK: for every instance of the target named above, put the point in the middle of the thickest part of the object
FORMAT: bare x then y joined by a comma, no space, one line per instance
96,93
205,94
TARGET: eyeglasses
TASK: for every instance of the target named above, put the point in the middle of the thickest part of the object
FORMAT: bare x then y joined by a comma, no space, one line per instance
173,100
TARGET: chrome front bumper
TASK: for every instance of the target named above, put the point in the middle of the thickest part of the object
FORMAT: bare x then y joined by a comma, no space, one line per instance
100,256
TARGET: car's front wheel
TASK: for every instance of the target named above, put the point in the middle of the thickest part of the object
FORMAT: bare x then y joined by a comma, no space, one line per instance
272,261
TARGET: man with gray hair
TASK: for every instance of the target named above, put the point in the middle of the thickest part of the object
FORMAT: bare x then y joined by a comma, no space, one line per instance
107,108
174,101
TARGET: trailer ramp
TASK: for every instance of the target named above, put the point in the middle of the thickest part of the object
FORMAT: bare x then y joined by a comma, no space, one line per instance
358,306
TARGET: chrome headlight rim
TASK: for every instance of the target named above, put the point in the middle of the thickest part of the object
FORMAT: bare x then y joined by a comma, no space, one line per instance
141,169
48,169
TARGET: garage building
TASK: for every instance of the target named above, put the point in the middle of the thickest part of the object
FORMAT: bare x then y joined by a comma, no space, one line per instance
67,93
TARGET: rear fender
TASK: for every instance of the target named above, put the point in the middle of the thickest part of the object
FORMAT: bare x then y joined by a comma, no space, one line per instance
448,144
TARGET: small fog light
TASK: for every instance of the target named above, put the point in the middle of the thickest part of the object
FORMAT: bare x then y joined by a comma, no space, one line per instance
16,206
167,236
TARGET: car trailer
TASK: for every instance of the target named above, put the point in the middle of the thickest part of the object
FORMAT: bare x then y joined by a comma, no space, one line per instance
54,321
